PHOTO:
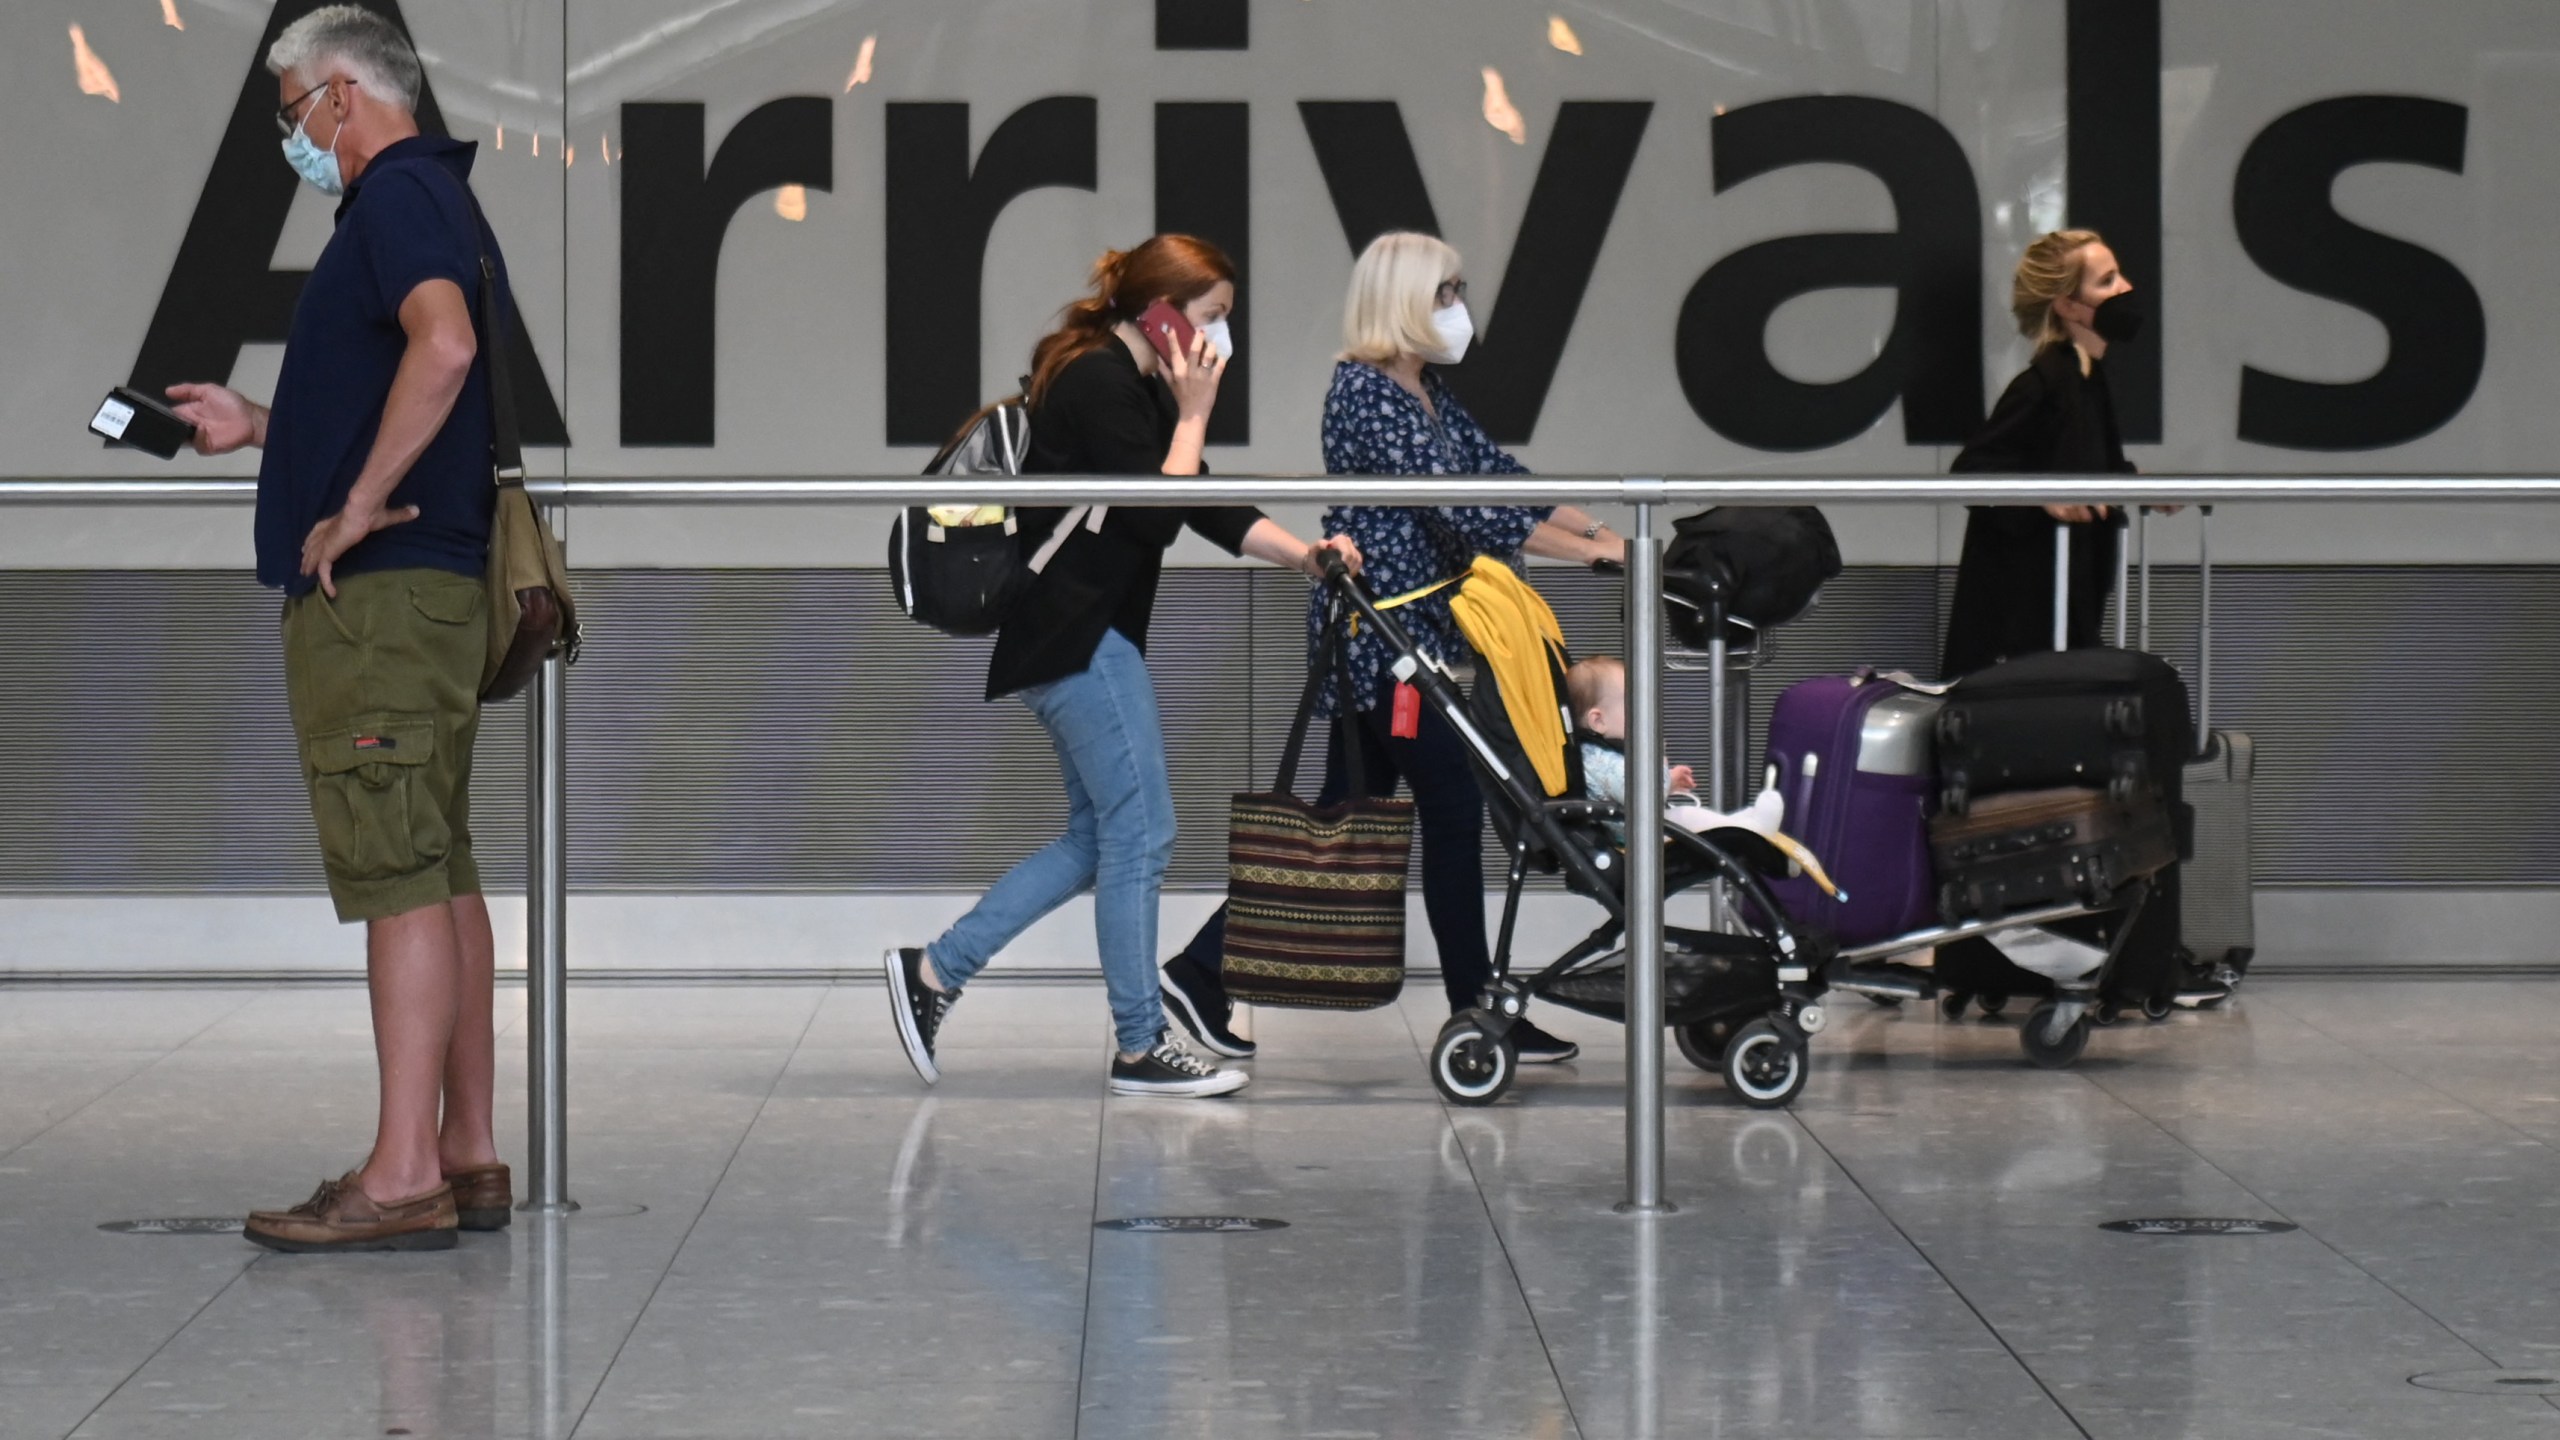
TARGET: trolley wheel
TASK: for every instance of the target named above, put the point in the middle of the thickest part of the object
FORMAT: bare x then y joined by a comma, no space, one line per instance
2045,1050
2105,1013
1470,1065
1991,1005
1765,1066
1704,1043
2156,1008
1951,1004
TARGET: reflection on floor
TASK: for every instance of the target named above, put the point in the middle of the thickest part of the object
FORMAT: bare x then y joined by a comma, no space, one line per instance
827,1250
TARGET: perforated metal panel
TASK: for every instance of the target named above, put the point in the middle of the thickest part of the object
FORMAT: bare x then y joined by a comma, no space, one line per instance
788,730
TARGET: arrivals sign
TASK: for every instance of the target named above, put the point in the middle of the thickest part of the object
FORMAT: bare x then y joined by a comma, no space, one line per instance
792,236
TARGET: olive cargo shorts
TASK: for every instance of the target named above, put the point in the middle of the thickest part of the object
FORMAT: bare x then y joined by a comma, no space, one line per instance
384,686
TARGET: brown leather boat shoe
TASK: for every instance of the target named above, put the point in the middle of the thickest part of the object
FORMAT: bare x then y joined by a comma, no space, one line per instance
340,1216
484,1196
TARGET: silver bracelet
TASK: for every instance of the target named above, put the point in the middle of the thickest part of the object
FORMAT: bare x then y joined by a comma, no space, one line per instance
1592,531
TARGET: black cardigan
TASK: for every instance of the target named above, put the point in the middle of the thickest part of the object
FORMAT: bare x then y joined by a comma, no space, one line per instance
2052,420
1099,417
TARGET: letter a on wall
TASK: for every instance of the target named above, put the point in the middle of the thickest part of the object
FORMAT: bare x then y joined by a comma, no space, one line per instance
223,292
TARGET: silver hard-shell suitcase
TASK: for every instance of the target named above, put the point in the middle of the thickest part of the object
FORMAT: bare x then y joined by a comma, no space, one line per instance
2218,909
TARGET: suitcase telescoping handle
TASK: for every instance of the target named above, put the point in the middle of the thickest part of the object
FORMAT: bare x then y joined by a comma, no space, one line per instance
2204,629
2061,585
2062,582
2204,605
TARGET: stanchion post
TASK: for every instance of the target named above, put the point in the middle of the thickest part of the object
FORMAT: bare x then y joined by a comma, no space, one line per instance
546,980
554,1413
1644,869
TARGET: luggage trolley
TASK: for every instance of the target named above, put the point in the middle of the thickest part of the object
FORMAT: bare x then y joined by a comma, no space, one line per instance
2057,1029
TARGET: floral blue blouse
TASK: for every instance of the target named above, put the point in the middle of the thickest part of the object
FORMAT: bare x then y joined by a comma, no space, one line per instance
1373,426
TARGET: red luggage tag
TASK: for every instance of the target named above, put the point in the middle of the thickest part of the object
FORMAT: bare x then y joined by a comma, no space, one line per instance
1408,712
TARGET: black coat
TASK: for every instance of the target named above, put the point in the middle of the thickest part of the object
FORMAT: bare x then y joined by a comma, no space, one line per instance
1101,416
2052,420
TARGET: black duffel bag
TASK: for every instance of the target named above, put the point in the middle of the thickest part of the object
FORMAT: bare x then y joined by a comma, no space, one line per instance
1771,560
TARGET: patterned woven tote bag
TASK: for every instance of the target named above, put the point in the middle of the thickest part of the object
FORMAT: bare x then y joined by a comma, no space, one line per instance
1315,893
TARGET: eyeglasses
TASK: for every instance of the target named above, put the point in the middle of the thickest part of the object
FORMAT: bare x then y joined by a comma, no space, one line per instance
1449,293
284,112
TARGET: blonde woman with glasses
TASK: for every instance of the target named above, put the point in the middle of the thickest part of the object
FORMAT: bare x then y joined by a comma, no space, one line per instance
1390,412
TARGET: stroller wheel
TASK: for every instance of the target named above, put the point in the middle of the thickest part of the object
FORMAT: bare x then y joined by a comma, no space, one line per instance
1470,1065
1951,1004
1704,1043
2157,1008
1765,1066
1991,1005
2053,1052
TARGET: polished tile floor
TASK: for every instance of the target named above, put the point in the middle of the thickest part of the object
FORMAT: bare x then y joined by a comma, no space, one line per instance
827,1250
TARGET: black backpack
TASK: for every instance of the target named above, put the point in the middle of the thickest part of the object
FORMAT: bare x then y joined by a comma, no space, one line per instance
960,568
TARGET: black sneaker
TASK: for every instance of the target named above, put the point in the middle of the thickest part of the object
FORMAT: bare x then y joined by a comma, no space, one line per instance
1194,997
2202,986
1537,1047
2202,994
918,1008
1170,1069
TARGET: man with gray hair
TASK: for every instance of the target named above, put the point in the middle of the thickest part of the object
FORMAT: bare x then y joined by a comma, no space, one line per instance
374,504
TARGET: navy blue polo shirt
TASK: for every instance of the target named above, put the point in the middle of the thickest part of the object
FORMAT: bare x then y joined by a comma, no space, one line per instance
406,220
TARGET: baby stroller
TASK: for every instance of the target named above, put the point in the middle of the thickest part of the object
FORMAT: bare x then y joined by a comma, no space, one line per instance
1746,1002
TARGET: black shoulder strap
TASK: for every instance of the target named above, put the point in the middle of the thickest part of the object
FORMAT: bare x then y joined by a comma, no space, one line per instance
506,449
1333,662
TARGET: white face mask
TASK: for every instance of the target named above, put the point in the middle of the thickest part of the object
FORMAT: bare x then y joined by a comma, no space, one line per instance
1456,328
1219,339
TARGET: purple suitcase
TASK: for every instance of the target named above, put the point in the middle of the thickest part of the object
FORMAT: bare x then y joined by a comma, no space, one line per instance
1854,758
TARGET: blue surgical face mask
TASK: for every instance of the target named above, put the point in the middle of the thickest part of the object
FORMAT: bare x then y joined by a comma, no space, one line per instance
317,166
1220,339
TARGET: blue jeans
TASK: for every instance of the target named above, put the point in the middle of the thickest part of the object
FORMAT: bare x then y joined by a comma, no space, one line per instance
1119,839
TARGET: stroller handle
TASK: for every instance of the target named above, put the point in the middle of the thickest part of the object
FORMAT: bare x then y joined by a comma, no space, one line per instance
1355,596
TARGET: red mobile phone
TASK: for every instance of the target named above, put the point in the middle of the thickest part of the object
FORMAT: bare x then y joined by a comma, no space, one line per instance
1166,330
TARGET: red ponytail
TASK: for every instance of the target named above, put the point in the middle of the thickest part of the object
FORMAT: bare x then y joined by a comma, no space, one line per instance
1177,269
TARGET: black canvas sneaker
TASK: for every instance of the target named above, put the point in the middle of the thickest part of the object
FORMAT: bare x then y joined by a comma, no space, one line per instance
918,1008
1169,1069
1195,997
1537,1047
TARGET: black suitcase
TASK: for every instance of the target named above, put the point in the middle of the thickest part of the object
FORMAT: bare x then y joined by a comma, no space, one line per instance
2111,720
2031,850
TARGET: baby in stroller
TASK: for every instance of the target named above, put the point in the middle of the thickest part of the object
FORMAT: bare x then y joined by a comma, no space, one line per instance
1743,1004
1596,687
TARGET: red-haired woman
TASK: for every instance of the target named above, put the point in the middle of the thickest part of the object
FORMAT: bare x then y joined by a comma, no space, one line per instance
1105,401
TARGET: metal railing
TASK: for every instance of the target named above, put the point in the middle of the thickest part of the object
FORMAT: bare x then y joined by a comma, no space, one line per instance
546,945
1396,489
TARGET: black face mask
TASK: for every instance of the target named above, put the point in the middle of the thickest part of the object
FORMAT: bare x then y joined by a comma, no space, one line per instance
2118,318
